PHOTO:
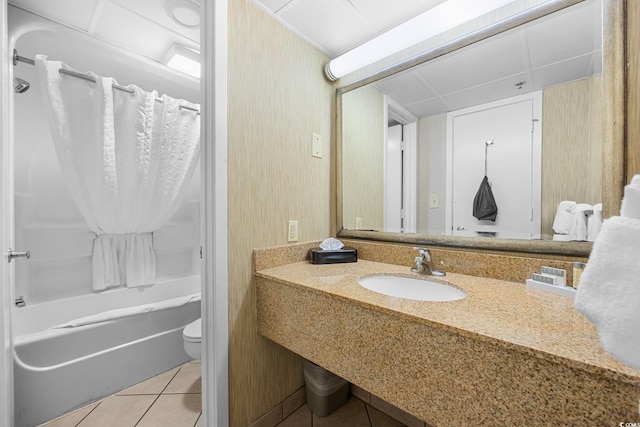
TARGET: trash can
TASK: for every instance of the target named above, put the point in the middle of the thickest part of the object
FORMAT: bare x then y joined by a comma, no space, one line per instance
325,391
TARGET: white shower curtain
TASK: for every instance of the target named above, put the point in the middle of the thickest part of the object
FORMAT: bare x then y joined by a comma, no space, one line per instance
127,159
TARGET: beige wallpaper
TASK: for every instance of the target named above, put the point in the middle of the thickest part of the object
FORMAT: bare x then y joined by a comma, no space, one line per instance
571,146
277,98
363,158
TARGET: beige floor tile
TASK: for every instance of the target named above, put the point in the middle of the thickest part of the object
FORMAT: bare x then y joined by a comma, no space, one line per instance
72,418
173,410
187,380
379,419
121,411
351,414
302,417
153,385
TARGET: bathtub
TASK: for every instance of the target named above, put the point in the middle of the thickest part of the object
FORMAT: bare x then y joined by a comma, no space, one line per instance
61,369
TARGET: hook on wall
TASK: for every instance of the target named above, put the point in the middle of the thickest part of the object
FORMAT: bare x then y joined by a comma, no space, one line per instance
487,143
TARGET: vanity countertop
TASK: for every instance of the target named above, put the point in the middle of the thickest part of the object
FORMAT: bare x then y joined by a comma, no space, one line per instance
504,313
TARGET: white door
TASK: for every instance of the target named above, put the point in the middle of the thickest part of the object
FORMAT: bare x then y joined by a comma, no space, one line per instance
512,166
392,221
6,202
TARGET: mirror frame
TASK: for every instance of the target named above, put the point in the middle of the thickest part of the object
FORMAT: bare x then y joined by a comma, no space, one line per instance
614,142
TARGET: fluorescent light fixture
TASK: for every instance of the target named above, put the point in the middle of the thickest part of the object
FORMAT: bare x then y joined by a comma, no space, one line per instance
183,59
434,21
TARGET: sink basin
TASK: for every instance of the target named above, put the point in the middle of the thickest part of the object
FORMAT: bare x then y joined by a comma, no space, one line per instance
410,288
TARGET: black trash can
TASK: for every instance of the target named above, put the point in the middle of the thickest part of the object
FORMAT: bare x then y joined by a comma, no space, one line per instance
325,391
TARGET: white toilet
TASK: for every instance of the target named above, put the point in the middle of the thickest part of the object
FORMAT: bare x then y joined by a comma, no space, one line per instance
192,335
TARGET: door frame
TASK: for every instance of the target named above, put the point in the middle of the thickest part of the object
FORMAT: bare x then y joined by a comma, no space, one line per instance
6,183
410,161
214,230
536,157
214,224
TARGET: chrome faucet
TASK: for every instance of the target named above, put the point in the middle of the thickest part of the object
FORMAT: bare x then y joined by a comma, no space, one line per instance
424,263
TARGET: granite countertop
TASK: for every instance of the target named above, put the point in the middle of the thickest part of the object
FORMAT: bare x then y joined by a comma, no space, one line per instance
507,313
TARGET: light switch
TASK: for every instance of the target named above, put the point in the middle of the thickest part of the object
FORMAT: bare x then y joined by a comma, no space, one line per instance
434,201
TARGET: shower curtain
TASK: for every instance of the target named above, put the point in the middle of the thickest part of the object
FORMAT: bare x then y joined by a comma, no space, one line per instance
127,159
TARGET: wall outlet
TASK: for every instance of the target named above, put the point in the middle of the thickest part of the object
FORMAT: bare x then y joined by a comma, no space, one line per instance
434,201
358,223
292,231
316,145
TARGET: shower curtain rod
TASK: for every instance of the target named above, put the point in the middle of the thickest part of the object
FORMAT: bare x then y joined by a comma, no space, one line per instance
17,58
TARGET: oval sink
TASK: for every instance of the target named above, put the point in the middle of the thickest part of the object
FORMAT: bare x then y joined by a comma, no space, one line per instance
410,288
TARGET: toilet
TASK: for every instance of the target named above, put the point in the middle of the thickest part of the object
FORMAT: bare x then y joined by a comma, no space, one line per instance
192,335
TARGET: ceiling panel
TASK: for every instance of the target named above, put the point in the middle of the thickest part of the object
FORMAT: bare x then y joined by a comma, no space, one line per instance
154,10
563,72
577,30
272,5
332,24
74,13
427,107
405,88
384,14
486,93
501,57
151,40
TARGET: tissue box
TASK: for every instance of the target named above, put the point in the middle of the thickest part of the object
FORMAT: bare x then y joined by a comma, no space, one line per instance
320,256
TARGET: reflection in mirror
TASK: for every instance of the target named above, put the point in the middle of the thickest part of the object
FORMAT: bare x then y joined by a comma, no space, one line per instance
414,146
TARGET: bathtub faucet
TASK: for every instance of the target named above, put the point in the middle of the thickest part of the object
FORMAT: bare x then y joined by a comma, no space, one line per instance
20,302
424,263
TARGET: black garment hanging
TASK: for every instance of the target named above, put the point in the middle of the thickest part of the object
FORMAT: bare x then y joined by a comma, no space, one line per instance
484,204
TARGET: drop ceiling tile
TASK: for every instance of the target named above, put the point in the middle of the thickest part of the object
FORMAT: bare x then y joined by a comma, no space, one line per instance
272,5
493,91
491,60
153,10
333,24
136,33
565,35
384,14
428,107
405,88
563,72
76,13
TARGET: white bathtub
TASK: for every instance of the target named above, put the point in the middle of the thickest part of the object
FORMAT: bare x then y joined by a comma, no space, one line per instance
58,370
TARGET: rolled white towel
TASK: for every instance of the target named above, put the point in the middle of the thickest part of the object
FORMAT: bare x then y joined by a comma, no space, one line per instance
594,223
578,230
609,291
561,238
564,217
630,207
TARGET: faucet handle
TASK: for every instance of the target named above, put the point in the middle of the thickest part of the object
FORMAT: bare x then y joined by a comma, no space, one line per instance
425,253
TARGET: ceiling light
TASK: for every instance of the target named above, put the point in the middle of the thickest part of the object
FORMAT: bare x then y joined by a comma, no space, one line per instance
183,59
434,21
185,13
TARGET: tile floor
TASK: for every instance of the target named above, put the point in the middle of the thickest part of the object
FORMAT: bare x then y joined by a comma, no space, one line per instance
354,413
173,399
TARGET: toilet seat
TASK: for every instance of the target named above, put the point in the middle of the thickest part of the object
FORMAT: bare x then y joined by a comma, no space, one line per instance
193,331
192,336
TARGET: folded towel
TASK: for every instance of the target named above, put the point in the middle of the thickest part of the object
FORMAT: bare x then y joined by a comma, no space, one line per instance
561,238
128,311
579,224
609,291
594,223
630,207
564,217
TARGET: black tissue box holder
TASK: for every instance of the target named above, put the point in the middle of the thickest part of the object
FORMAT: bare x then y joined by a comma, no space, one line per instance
320,256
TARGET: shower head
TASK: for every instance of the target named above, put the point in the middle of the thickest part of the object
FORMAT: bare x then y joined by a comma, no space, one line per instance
20,85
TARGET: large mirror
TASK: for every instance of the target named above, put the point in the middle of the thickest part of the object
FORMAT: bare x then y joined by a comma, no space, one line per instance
523,106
